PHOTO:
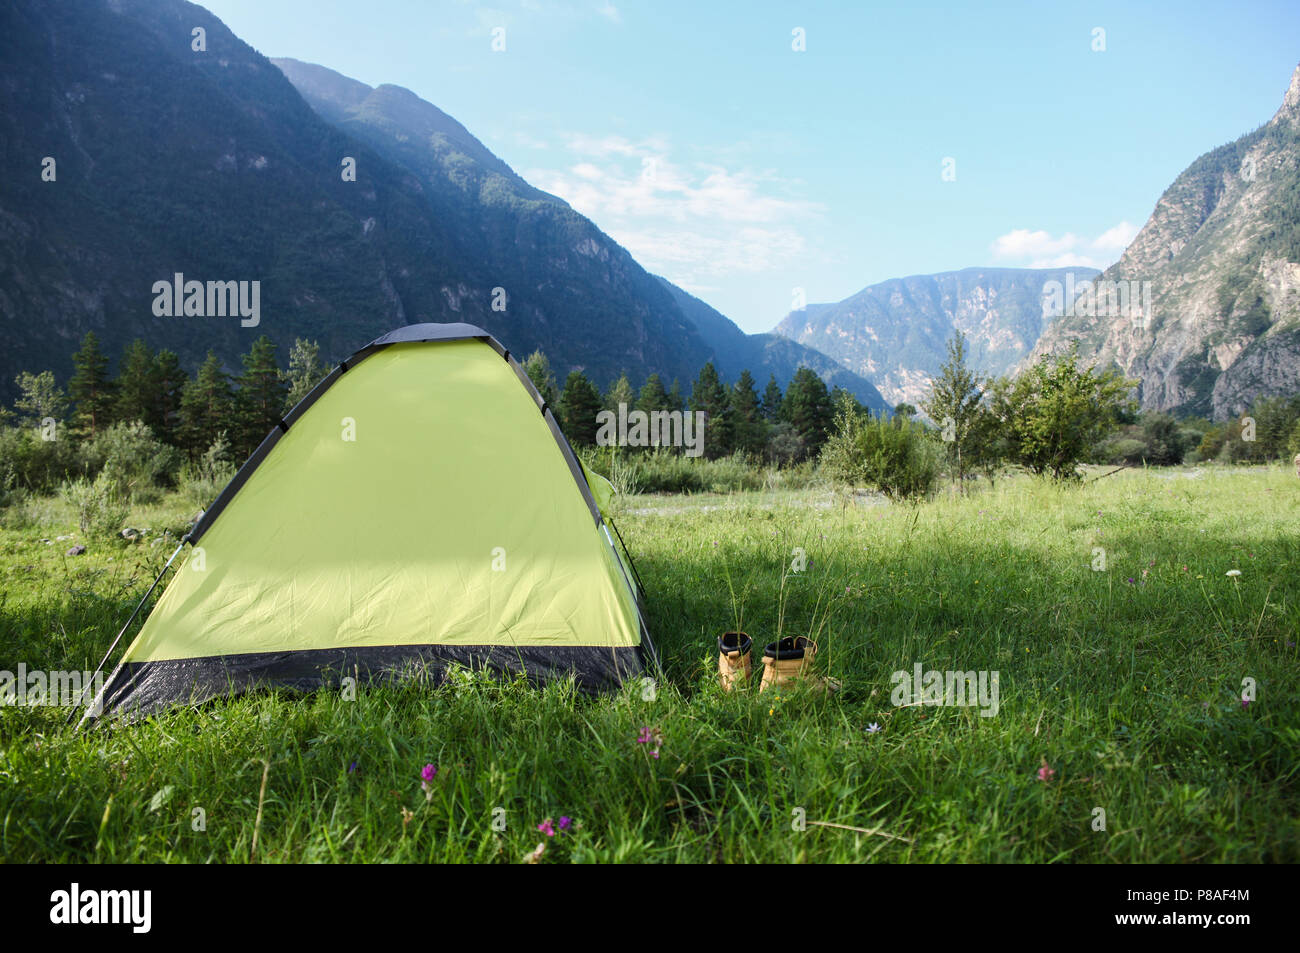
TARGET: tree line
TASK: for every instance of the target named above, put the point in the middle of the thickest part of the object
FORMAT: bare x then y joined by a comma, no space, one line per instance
1048,420
781,427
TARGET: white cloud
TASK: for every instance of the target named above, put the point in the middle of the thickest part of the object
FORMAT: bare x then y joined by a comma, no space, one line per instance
1116,239
691,222
1040,249
610,12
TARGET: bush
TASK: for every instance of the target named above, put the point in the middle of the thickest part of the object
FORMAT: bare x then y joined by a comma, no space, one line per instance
896,456
10,491
135,462
101,512
1124,450
201,482
663,471
37,465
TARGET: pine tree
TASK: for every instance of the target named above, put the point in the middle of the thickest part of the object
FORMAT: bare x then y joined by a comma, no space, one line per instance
579,405
90,388
749,429
807,406
653,396
772,400
653,399
135,384
708,395
538,369
620,392
305,372
675,401
206,406
169,380
955,398
260,398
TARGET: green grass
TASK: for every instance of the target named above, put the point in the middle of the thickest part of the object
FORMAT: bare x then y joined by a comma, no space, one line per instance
1129,690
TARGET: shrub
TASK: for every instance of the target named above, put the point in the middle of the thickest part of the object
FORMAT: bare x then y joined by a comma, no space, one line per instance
133,460
10,492
1124,450
785,445
896,456
100,510
663,471
200,482
38,465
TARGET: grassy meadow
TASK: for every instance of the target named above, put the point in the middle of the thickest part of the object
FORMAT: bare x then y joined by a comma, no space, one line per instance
1120,690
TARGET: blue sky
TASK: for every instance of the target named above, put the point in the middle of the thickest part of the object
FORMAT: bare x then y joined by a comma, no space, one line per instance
742,169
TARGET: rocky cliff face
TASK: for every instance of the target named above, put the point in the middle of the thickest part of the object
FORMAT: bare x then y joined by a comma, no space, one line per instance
1213,317
895,333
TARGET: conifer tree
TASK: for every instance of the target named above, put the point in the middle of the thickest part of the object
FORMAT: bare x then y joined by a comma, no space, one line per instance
709,395
749,429
260,398
807,407
91,388
579,405
135,384
772,400
206,406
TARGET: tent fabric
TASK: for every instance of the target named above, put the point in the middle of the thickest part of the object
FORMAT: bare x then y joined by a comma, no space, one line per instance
422,508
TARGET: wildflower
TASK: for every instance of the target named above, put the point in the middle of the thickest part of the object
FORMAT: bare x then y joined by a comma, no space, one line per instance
872,728
1045,773
651,736
1245,701
427,774
546,828
535,855
565,822
1233,572
406,818
353,768
1130,578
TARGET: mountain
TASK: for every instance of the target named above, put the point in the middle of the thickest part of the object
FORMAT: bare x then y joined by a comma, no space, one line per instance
207,162
448,160
1217,272
895,333
763,354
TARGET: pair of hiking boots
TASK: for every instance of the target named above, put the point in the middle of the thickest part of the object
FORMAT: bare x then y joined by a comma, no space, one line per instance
786,662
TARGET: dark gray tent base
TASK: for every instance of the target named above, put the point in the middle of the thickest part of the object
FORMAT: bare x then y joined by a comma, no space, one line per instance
139,689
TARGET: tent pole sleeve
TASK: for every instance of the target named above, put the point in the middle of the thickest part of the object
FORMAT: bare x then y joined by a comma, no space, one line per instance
138,607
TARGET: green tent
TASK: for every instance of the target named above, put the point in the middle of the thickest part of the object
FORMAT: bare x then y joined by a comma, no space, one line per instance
419,507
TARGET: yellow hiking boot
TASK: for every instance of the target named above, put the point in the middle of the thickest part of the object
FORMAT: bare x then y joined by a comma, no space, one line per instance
734,657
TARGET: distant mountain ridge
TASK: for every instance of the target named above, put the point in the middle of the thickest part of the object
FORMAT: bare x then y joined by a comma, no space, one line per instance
1220,261
763,354
894,333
